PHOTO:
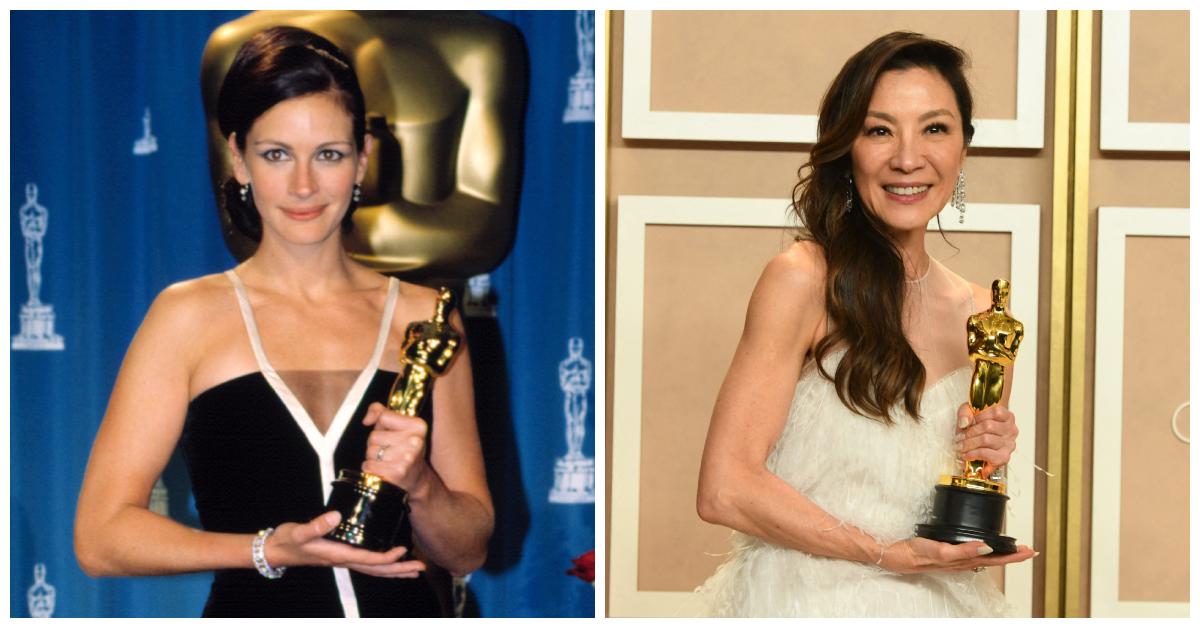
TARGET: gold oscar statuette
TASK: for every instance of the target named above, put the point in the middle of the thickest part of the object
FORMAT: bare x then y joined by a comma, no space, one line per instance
373,511
970,506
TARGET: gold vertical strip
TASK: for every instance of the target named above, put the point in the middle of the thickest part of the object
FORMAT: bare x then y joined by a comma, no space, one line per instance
1080,214
603,95
1053,550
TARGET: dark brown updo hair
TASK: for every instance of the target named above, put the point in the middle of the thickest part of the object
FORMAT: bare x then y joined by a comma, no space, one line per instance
275,65
864,283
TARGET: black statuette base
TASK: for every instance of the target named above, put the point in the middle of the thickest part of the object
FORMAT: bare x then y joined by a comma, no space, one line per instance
373,518
961,515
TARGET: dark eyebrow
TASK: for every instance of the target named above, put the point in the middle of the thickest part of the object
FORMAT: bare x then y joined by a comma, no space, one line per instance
935,113
925,116
272,143
285,144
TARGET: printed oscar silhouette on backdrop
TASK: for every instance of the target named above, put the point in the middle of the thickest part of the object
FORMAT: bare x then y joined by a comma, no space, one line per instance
581,91
970,506
159,500
575,473
37,318
479,301
147,143
41,594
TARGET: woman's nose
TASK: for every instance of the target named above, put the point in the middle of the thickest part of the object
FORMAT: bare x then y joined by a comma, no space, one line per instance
303,184
909,155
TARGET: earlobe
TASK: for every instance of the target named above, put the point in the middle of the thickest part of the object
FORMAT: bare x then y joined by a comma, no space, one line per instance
235,156
364,158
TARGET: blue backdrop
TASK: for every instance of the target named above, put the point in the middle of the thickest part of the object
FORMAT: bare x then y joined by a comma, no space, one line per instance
109,218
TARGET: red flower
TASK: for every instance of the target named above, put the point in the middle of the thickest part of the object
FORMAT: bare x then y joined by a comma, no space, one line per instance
585,566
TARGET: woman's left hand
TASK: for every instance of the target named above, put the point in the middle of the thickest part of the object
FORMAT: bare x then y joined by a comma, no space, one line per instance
990,435
396,447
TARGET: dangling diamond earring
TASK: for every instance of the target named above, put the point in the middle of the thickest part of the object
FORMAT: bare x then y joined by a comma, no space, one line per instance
244,192
849,194
959,200
357,195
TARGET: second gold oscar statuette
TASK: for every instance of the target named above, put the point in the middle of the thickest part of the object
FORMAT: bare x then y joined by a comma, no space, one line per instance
970,506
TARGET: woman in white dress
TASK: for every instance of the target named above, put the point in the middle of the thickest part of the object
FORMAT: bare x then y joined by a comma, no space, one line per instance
845,399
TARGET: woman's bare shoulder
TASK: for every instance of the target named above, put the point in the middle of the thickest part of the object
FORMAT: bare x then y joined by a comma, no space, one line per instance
193,298
980,296
186,321
191,312
789,299
418,294
798,270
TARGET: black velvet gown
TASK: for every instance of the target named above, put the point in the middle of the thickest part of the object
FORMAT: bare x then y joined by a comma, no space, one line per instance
254,464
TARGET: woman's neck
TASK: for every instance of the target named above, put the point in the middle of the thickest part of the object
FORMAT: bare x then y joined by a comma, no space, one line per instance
309,270
912,252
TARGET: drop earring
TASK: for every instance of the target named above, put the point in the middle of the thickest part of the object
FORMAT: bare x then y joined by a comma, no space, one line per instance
244,193
357,195
959,200
849,195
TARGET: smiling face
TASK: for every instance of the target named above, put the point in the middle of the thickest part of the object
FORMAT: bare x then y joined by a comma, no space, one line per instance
302,164
908,155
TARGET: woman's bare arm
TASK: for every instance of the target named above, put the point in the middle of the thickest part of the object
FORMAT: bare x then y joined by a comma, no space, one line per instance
736,489
115,533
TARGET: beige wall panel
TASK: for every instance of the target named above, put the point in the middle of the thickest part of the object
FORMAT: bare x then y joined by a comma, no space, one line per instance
1119,179
1154,464
698,283
1158,66
1137,181
782,61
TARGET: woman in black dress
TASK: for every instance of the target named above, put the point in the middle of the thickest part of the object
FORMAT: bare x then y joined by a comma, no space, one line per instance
269,376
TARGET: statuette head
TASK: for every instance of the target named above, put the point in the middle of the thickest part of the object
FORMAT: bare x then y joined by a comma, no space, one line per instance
1000,291
445,303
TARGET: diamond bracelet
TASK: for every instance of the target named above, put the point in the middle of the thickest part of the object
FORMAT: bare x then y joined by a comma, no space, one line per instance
260,557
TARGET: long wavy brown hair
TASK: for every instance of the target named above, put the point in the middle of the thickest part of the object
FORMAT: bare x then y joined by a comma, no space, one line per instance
864,285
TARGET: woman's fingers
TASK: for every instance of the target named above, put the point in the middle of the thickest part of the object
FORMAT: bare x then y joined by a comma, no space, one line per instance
393,422
965,415
1023,552
304,544
924,555
978,554
373,412
1003,429
337,553
990,448
939,554
320,526
396,448
991,435
403,569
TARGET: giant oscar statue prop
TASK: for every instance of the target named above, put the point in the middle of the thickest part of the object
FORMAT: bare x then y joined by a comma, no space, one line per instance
970,506
445,97
372,509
